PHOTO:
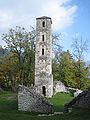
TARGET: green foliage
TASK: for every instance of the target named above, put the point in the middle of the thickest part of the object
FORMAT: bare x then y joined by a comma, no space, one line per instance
19,63
81,72
64,69
71,72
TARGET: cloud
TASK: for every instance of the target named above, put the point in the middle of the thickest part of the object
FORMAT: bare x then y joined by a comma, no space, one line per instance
5,19
25,12
62,15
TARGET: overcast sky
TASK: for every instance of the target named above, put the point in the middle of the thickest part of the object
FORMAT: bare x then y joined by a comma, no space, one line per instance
70,17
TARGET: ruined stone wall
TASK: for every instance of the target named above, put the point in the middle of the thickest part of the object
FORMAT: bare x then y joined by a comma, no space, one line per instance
81,101
60,87
29,100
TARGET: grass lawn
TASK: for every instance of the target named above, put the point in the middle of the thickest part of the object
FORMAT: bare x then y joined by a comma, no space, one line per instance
8,109
59,100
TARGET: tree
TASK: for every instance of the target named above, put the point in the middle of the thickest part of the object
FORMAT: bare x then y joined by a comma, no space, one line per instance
71,69
66,69
63,68
79,48
57,50
56,46
22,43
81,74
62,63
8,70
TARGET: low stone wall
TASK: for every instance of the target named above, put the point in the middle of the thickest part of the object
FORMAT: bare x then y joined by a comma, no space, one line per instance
29,100
81,101
60,87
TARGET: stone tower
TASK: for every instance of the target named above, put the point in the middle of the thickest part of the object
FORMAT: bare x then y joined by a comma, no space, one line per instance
43,57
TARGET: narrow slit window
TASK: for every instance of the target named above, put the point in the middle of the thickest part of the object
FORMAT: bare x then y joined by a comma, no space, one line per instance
44,90
42,51
43,24
42,37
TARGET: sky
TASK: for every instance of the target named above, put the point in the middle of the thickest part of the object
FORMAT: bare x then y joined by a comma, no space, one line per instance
70,18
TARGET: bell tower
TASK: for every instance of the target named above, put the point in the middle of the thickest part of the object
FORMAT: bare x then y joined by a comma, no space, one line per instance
43,57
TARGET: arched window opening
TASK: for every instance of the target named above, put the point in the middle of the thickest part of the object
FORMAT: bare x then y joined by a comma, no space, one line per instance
44,90
43,23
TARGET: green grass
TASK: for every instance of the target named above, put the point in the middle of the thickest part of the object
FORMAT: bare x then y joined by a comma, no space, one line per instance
59,100
8,109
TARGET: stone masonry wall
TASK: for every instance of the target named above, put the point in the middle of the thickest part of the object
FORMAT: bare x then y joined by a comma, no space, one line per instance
60,87
29,100
43,62
81,101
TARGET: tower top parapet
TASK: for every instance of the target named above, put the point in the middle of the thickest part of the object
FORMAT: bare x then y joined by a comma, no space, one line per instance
44,17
